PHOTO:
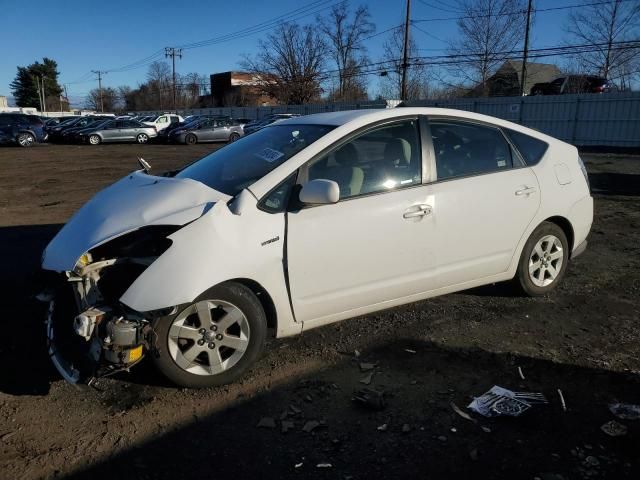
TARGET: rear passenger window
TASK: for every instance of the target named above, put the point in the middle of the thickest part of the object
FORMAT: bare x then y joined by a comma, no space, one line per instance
463,149
531,149
383,159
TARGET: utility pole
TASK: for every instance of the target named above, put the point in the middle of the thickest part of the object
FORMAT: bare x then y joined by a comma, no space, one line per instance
405,53
39,92
173,53
523,79
44,97
100,73
66,97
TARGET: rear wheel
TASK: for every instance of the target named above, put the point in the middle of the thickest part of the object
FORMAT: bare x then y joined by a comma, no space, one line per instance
26,139
94,139
544,260
214,340
142,138
191,139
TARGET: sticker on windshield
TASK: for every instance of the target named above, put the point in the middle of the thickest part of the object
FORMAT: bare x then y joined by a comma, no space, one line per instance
270,155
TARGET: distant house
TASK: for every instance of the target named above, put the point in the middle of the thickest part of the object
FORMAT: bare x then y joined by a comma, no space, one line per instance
3,102
507,80
229,89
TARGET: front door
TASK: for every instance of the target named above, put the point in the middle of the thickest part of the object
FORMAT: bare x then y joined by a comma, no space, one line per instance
484,199
376,243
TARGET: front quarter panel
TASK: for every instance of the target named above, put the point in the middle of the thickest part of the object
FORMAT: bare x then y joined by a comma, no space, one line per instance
218,247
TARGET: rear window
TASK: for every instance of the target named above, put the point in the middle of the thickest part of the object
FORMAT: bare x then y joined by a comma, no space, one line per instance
531,149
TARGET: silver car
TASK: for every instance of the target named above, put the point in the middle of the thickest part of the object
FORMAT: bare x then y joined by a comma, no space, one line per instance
119,131
207,130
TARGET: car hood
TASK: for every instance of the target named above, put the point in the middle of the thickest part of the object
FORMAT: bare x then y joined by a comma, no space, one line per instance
133,202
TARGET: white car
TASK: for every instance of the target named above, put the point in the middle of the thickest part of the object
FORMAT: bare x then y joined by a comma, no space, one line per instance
307,222
163,121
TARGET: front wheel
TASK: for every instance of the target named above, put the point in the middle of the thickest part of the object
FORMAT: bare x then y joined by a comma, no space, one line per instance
544,260
212,341
26,140
191,139
142,138
94,139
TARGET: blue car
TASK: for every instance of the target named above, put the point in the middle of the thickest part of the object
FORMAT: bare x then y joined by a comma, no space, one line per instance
21,129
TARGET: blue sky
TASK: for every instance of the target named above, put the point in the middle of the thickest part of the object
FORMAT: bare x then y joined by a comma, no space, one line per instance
103,35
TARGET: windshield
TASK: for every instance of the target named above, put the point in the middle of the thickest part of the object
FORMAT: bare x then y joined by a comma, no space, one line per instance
241,163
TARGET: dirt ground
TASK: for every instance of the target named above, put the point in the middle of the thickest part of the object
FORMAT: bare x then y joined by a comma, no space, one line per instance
583,339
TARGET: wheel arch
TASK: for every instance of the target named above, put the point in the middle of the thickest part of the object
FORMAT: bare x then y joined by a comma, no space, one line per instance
265,300
566,227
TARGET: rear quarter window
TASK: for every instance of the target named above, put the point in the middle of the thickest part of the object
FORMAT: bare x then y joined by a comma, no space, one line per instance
531,149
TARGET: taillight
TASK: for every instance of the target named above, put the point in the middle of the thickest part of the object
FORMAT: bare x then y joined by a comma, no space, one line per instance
584,172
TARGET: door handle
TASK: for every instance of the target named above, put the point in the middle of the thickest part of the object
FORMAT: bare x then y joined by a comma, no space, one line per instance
525,191
421,210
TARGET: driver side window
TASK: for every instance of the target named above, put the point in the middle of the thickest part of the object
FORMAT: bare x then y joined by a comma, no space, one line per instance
380,160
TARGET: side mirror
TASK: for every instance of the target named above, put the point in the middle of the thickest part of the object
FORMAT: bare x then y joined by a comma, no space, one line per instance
320,192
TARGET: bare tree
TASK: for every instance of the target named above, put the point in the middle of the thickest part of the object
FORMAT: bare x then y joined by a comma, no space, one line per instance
487,31
604,26
158,80
346,33
109,99
417,79
288,64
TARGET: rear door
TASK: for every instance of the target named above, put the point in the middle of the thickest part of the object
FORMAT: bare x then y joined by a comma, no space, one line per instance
484,199
205,131
221,131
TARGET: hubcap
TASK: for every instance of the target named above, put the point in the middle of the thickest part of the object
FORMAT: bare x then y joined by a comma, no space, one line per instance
545,261
25,140
142,138
209,337
93,139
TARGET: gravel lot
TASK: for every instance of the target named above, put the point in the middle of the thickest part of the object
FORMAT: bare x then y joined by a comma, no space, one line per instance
582,339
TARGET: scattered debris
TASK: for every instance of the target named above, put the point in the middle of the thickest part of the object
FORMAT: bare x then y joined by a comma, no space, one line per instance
408,350
266,422
462,413
485,429
7,436
454,429
287,425
369,398
520,373
625,411
365,367
308,398
366,380
442,438
413,382
295,409
298,465
356,353
500,401
614,429
383,427
324,465
406,428
562,402
592,461
310,426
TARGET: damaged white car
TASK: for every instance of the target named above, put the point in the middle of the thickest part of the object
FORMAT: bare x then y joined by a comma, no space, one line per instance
307,222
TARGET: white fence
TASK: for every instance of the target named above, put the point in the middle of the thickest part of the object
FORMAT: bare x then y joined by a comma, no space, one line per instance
610,120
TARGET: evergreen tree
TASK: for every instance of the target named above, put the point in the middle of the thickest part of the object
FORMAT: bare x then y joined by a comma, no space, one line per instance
25,85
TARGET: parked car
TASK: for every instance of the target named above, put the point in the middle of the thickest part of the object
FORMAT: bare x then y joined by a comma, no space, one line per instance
21,129
119,131
76,135
207,130
253,127
70,134
163,136
307,222
160,122
56,133
572,84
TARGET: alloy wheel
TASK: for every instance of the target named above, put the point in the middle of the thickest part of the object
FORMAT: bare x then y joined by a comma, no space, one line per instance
25,140
545,261
209,337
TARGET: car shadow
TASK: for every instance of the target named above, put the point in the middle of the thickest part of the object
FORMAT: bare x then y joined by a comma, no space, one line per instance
626,184
417,433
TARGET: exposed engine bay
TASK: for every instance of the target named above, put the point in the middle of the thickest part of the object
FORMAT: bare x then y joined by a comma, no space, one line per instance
90,333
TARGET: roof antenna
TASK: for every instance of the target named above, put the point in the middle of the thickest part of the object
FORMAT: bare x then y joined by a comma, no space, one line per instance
144,164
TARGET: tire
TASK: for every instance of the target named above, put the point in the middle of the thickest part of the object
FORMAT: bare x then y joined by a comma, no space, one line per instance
94,139
142,138
190,354
233,137
26,140
544,260
191,139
